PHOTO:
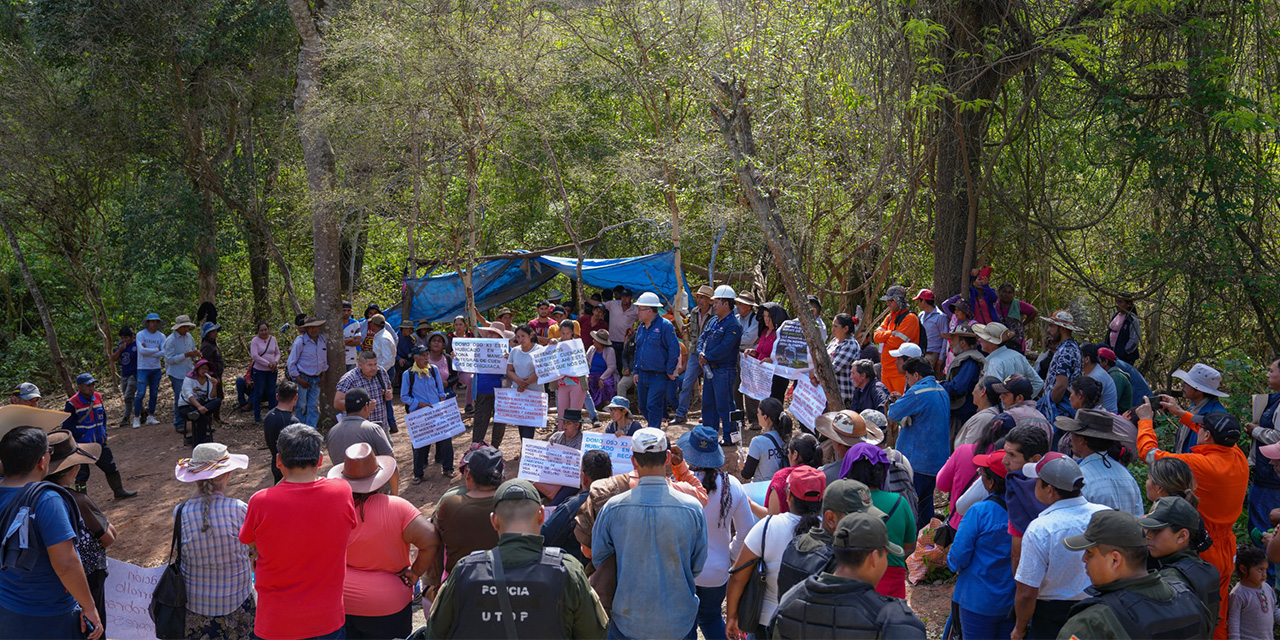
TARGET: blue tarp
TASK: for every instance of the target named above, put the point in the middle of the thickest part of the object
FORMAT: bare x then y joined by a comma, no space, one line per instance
439,298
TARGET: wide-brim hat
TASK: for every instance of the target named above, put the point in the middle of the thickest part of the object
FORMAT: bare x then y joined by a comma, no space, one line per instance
363,470
209,460
992,332
1090,423
963,330
619,402
701,449
848,428
601,336
13,416
1062,319
895,292
960,304
498,328
1202,377
65,452
181,321
746,297
705,291
196,367
313,321
209,327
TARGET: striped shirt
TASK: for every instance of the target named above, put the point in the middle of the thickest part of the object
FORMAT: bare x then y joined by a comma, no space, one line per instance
215,564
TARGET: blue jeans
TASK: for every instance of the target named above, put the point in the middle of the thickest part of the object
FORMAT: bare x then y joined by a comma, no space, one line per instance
391,414
717,402
147,379
1261,501
709,619
178,423
651,388
264,384
977,626
924,490
308,401
687,382
17,625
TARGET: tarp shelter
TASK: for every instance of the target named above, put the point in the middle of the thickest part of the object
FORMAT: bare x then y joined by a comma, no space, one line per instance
439,298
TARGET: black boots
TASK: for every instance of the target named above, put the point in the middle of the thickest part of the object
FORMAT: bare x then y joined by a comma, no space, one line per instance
117,487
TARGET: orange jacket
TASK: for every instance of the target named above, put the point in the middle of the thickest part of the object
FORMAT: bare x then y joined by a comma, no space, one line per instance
1221,473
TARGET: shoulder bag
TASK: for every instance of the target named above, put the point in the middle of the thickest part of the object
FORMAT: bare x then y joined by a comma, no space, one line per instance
752,600
169,600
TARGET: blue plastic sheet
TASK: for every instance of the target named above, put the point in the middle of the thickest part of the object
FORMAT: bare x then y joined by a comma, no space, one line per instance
439,298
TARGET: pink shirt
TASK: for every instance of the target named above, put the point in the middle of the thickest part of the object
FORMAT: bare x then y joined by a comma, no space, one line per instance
955,475
376,553
265,353
764,348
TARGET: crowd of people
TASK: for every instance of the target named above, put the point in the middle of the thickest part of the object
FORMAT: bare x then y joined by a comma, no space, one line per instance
1045,524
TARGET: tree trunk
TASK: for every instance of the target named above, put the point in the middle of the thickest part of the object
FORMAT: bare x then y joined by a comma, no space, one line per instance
259,276
326,229
46,319
206,250
735,126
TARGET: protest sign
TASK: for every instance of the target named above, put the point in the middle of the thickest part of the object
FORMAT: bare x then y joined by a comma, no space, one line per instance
435,423
791,352
481,355
618,448
807,402
757,377
556,361
525,409
128,594
756,491
551,463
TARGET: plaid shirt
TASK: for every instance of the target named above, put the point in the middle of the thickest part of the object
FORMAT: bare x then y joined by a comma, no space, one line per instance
215,564
843,355
379,383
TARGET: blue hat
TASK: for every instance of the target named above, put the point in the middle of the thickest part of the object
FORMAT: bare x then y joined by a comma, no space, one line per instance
208,326
619,402
85,378
701,449
152,316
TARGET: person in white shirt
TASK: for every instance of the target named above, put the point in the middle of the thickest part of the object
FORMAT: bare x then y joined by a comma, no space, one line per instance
150,356
352,334
180,355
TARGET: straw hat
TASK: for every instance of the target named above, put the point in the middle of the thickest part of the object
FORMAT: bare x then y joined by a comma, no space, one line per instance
992,332
498,328
66,453
313,321
601,336
363,470
182,321
848,428
209,460
1062,319
13,416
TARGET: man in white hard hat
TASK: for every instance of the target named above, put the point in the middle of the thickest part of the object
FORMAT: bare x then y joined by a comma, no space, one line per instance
699,319
657,355
718,361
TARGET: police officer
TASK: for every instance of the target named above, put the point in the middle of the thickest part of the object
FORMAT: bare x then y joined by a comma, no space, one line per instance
657,355
88,423
1175,538
810,553
519,584
843,603
718,358
1127,600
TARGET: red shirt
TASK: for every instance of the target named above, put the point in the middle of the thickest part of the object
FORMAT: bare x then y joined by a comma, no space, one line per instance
301,532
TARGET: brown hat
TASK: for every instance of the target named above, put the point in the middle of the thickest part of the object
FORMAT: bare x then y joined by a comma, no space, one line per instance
65,452
313,321
1090,423
704,291
747,298
13,416
364,471
498,328
601,336
848,428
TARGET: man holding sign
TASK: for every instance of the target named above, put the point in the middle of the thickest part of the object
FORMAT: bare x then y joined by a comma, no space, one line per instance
718,357
657,355
420,386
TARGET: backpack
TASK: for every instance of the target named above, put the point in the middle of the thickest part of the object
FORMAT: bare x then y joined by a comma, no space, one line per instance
923,340
431,368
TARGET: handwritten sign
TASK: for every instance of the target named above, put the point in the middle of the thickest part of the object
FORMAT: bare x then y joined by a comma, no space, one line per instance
757,377
807,402
128,593
542,461
435,423
527,409
559,360
618,448
480,355
791,352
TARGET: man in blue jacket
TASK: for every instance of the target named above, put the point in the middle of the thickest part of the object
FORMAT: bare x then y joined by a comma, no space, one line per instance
421,386
657,355
718,358
923,439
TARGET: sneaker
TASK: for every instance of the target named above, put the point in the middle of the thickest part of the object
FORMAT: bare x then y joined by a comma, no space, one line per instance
152,420
136,423
680,420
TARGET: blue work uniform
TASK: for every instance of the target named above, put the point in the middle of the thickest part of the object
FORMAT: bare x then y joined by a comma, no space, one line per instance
657,355
719,345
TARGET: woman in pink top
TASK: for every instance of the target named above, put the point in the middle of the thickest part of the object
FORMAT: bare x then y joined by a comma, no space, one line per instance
771,317
378,592
571,391
265,353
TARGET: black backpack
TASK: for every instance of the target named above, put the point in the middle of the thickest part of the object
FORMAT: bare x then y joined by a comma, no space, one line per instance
923,340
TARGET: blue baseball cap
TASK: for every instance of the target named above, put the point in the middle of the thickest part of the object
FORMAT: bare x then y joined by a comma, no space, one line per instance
86,378
153,316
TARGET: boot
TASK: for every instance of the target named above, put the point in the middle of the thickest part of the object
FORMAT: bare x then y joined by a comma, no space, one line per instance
117,486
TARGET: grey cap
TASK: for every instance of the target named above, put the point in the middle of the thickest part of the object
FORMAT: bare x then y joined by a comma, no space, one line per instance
517,489
896,292
27,391
1057,471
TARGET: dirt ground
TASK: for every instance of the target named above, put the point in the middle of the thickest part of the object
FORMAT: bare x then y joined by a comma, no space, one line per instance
146,457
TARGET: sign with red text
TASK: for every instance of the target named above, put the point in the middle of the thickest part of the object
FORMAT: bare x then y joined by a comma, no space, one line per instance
807,402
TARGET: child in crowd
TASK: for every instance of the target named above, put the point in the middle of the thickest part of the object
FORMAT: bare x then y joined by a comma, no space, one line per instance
1252,610
620,410
126,355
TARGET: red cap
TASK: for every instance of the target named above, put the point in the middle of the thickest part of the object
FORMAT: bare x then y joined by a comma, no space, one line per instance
807,483
924,294
993,461
985,272
1106,354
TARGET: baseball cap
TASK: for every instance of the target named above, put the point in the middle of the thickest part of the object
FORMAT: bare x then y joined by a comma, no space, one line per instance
356,400
806,483
1111,527
1271,451
863,531
849,496
925,294
895,292
906,350
1224,426
993,461
1017,384
1057,471
1172,511
85,378
1106,353
517,489
484,464
649,440
27,391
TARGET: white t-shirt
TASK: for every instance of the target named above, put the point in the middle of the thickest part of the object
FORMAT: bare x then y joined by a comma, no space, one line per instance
1109,397
353,330
722,544
782,528
768,452
522,360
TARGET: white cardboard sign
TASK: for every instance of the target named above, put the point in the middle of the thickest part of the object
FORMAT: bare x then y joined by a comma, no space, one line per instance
128,593
807,402
618,448
559,360
541,461
525,409
756,377
481,355
791,352
434,423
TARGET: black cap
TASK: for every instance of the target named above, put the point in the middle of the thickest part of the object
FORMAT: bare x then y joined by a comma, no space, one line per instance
1111,527
517,489
1172,511
417,349
1224,426
356,400
485,465
1016,384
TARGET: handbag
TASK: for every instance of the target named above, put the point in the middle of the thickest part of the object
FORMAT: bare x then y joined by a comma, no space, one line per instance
752,600
168,607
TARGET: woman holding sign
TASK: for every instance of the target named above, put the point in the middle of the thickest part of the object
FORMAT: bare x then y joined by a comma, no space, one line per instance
421,386
571,391
520,369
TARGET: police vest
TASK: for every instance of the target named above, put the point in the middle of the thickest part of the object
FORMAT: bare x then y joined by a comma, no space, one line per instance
1143,617
536,592
90,415
1201,577
797,566
816,611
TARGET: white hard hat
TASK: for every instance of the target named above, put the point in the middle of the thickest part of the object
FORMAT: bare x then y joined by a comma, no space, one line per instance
649,299
724,292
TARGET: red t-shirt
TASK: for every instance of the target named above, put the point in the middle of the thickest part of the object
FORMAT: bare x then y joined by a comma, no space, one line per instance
301,533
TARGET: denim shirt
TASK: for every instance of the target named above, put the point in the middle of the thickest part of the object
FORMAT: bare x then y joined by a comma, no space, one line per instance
657,349
925,441
720,340
660,538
